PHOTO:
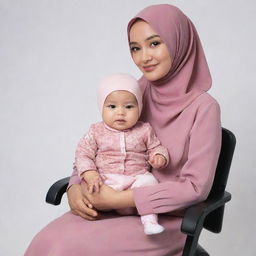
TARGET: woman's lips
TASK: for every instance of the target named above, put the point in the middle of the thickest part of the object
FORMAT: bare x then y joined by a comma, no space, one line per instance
149,68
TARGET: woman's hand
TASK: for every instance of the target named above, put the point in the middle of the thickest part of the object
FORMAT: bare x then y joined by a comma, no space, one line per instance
79,204
108,198
105,199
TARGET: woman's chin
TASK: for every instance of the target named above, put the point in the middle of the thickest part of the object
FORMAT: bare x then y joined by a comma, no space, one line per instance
151,76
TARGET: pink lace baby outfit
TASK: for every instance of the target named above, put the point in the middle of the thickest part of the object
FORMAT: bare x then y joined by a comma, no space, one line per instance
121,157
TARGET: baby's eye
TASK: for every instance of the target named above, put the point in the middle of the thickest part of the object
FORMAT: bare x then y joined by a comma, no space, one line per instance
129,106
134,49
111,106
155,43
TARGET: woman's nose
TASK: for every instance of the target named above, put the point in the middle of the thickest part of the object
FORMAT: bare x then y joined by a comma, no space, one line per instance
146,56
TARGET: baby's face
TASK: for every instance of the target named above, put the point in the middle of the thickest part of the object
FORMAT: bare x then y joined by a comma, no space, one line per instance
120,110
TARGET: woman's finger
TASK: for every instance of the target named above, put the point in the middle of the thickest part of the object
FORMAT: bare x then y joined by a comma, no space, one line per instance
86,216
91,212
74,212
82,209
87,203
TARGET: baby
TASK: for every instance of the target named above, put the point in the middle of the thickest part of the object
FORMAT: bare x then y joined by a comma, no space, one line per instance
120,150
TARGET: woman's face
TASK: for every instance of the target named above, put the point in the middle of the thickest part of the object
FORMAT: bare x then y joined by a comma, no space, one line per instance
149,52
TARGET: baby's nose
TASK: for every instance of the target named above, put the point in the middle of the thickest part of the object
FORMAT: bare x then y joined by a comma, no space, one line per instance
121,111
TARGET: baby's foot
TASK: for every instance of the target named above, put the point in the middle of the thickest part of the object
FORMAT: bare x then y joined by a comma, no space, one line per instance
151,228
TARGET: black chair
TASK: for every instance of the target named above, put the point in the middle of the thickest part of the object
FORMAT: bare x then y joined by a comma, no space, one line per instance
207,214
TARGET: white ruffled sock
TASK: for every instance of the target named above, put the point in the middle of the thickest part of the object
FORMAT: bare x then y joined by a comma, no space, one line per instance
151,225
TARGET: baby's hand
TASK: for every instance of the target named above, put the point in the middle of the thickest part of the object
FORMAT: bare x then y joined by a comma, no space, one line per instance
157,161
93,181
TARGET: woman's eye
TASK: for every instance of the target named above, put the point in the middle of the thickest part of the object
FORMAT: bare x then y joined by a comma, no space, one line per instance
155,43
134,49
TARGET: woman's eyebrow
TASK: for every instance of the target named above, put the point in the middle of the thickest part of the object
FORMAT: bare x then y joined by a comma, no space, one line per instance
151,37
147,39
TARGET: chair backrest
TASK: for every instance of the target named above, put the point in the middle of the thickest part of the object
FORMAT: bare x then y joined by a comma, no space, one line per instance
213,221
224,162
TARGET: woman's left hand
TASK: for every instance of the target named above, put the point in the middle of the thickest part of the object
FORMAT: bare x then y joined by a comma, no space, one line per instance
105,199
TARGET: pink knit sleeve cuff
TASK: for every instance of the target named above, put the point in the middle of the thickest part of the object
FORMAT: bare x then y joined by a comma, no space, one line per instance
86,166
74,178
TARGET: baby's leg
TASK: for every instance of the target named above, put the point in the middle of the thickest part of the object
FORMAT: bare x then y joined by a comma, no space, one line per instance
151,225
120,182
127,211
149,221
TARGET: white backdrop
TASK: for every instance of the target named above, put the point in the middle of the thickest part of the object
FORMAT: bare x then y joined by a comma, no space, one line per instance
52,55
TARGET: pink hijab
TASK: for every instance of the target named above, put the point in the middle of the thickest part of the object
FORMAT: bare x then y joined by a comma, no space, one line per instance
189,75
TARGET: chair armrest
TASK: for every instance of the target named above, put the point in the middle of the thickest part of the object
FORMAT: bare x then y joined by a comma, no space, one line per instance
195,215
56,191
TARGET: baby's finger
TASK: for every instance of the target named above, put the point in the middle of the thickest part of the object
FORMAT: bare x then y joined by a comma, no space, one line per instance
97,187
159,161
91,186
156,166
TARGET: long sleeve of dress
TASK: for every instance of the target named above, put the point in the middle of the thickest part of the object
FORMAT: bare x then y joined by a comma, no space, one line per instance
196,176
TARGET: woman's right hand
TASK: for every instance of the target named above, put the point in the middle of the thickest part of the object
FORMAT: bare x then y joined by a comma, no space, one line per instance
79,205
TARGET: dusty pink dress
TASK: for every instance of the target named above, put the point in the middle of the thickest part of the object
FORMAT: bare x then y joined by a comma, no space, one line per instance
186,119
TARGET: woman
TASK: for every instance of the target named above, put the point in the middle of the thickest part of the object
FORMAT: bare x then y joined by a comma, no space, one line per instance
166,48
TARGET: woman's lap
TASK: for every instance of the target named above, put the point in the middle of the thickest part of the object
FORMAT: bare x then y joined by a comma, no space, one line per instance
114,235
